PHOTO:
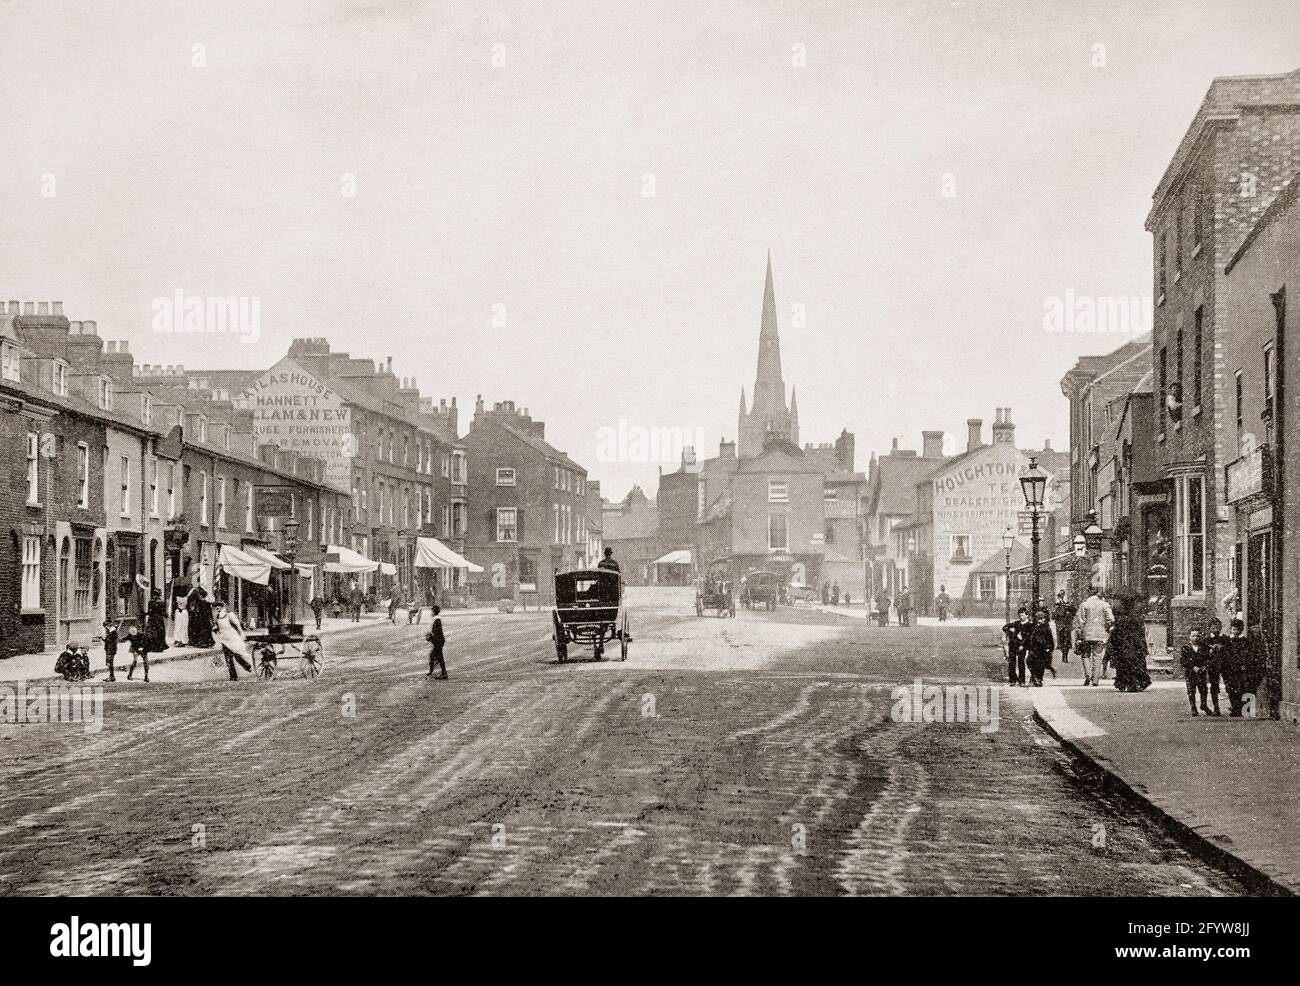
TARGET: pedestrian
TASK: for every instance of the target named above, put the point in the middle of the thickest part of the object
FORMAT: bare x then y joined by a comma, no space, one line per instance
1243,669
882,608
1128,647
1038,648
436,640
941,601
903,601
1218,646
1092,625
394,604
180,615
230,634
415,607
826,594
355,599
848,603
607,562
155,623
110,647
1194,658
200,622
1016,641
138,640
835,594
1063,615
317,606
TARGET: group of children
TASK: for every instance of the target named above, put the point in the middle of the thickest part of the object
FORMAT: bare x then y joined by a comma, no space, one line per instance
1208,658
73,664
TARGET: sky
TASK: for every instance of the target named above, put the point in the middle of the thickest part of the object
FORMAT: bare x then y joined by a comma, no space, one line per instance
570,205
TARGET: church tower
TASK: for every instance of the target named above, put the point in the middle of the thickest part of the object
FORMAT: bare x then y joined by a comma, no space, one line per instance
769,413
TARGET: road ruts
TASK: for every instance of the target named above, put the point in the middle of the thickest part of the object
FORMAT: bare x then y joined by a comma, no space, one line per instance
695,768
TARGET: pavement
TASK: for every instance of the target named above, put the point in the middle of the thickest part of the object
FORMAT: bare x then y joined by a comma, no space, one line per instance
1230,785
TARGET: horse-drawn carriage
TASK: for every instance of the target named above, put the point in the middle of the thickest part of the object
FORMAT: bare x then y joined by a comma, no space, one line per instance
715,592
589,611
762,589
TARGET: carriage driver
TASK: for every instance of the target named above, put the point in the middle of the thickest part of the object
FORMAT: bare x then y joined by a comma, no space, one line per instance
608,561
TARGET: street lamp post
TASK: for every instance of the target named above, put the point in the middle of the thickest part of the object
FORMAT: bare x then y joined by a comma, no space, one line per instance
291,552
1008,539
1034,485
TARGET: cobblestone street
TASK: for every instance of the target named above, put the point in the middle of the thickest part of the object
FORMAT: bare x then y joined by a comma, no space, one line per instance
746,756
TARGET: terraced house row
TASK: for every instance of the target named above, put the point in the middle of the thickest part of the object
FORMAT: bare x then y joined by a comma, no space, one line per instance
1179,439
324,468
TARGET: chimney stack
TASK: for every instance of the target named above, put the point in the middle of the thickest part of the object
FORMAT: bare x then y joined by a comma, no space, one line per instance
1004,432
894,448
1047,445
973,428
57,306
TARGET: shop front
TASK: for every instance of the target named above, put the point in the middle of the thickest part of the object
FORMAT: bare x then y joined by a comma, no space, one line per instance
1249,490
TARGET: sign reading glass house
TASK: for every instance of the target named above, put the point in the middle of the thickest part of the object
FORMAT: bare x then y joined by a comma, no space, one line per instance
295,411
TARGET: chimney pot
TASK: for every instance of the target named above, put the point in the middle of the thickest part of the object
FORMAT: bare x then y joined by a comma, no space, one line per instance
57,306
14,306
89,328
42,308
29,308
895,446
973,428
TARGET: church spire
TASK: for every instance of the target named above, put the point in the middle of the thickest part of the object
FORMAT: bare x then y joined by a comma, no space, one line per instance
769,388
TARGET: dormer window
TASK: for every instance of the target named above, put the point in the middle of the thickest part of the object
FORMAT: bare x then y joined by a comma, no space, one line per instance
59,378
10,362
105,394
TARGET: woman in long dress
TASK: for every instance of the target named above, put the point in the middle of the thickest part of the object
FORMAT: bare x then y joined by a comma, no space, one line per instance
181,621
155,623
230,635
200,611
1128,647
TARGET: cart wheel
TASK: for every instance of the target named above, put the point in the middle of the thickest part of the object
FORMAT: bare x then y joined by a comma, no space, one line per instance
623,638
312,658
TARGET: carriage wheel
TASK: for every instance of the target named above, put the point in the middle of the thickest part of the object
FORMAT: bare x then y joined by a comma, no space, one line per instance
312,658
623,638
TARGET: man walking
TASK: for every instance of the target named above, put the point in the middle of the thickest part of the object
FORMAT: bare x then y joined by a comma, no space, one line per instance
882,607
1016,634
355,599
1093,625
1195,658
904,603
941,601
436,641
1063,616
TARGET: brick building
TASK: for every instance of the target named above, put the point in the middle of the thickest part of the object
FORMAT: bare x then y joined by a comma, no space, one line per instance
632,527
531,504
1262,479
1241,149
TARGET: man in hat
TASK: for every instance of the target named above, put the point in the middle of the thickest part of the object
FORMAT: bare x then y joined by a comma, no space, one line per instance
1063,617
1093,624
436,641
608,561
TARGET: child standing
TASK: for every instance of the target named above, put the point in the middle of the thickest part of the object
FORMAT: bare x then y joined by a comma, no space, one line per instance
110,648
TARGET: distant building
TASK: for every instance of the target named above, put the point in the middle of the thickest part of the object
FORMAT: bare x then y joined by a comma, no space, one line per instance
632,528
531,504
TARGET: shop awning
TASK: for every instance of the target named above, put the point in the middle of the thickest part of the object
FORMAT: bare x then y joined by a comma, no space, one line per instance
340,559
306,571
243,565
432,553
679,557
386,569
270,557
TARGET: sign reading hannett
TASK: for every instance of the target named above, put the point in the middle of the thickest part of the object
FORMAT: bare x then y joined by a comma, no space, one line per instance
295,411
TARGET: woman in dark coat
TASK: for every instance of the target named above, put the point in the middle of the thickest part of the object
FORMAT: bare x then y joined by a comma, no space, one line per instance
155,624
1128,647
200,618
